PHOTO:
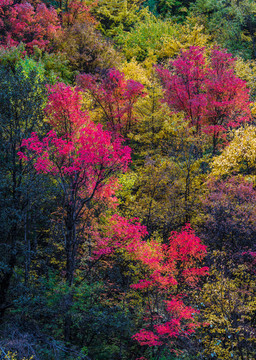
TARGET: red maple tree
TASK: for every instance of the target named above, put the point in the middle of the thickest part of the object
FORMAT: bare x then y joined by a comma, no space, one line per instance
115,96
213,98
81,156
169,271
32,25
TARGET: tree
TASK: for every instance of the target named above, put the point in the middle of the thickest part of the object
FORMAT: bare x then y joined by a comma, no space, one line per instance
22,22
167,172
21,111
169,8
228,306
116,15
231,23
86,49
227,219
239,156
212,97
159,40
170,269
161,274
81,156
115,98
84,160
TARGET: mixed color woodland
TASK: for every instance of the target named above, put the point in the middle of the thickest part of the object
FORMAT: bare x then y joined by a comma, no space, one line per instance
127,179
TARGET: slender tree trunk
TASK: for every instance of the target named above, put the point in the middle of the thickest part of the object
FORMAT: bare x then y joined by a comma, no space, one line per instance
71,249
5,283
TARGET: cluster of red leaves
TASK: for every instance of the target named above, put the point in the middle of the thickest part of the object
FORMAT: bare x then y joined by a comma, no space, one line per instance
211,96
84,159
169,266
116,96
83,154
64,110
166,267
119,233
77,11
180,323
22,22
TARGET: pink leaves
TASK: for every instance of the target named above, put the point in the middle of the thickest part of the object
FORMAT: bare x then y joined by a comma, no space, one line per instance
23,22
120,233
185,246
174,266
115,96
81,152
184,84
211,96
147,337
142,284
227,95
64,110
180,323
169,264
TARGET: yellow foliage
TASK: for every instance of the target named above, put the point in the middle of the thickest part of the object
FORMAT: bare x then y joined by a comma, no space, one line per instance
116,15
253,109
228,305
246,70
12,355
186,37
160,39
135,71
239,156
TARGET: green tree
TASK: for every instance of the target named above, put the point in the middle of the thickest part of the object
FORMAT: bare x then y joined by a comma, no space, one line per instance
232,23
116,15
159,39
22,98
169,8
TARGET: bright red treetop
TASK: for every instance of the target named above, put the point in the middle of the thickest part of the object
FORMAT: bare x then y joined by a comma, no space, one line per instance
169,271
184,84
64,110
227,95
172,269
22,22
211,96
77,151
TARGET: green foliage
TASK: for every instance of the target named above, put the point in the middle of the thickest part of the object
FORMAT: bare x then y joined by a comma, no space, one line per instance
57,67
160,38
50,67
116,16
232,23
176,9
9,57
22,98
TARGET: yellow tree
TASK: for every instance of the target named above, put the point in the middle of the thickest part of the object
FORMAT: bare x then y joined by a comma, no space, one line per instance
228,307
239,156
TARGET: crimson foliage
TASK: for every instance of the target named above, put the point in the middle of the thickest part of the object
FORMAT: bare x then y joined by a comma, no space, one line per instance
23,22
116,97
210,94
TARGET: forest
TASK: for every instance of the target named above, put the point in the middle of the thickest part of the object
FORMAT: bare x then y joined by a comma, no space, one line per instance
127,179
